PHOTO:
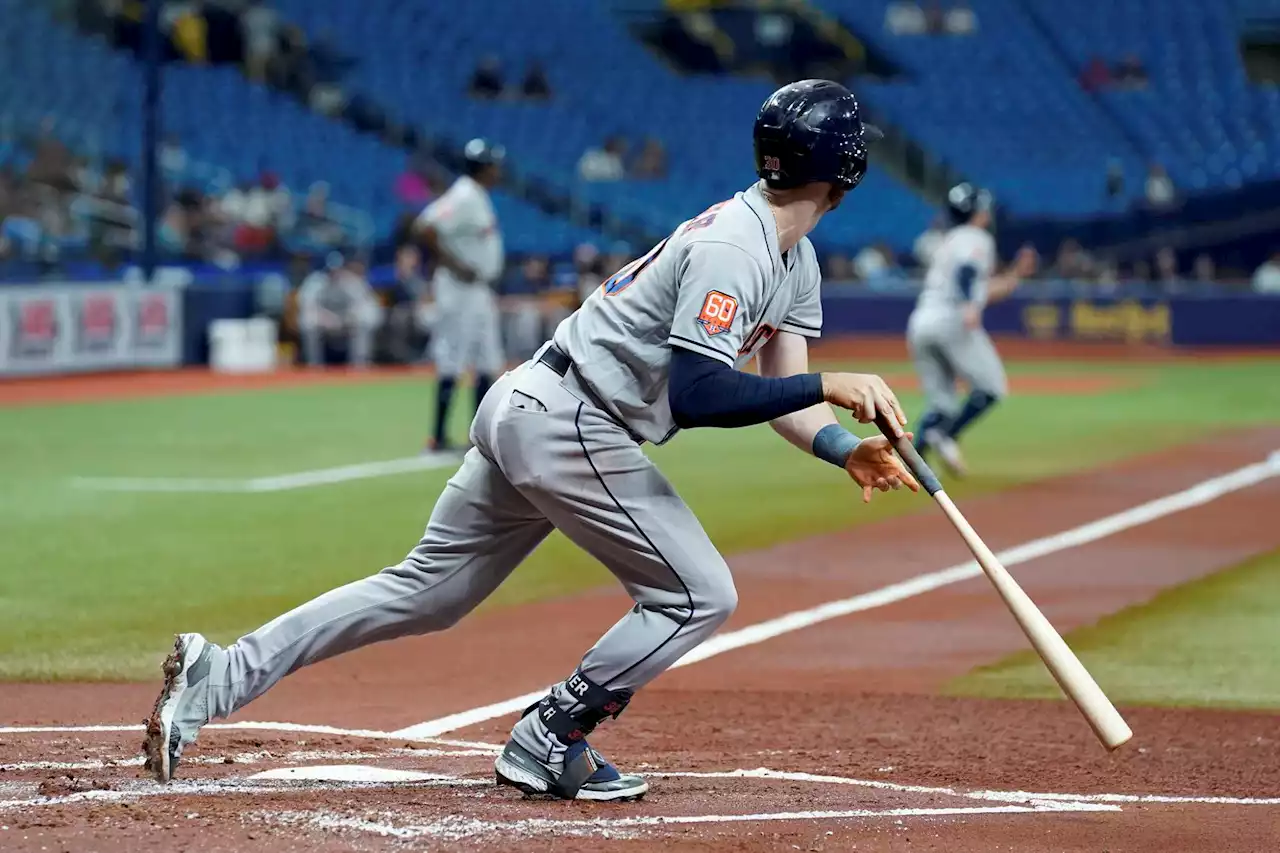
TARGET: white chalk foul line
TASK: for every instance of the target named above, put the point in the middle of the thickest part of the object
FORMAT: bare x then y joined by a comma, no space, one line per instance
278,483
1198,495
1045,799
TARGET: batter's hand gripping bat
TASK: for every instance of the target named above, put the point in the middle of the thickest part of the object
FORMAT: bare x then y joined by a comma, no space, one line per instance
1066,668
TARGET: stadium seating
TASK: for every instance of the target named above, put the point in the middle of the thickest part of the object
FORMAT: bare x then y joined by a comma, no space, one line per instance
220,118
1004,105
998,106
419,57
1199,116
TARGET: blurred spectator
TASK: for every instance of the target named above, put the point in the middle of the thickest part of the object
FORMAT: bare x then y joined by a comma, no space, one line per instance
960,19
338,311
277,200
287,67
904,18
116,186
1141,270
84,177
1266,278
530,302
186,29
405,343
314,224
1159,187
651,162
839,267
257,213
1073,262
1204,269
51,160
935,19
412,189
872,263
1095,75
173,159
486,82
258,27
1130,72
234,202
535,86
929,240
173,233
604,164
1108,275
1115,180
1166,266
588,264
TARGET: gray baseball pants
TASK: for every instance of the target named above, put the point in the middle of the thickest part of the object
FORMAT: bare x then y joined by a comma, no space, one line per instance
544,457
945,351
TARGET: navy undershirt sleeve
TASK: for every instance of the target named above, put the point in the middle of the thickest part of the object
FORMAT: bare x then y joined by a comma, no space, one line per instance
705,392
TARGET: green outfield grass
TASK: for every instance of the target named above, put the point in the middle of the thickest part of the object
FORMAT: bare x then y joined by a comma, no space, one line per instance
93,584
1212,642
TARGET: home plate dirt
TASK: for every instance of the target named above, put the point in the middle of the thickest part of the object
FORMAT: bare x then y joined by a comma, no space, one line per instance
833,737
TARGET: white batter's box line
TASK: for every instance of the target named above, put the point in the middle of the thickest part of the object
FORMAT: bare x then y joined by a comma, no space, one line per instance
289,728
125,792
278,483
458,828
293,757
1197,495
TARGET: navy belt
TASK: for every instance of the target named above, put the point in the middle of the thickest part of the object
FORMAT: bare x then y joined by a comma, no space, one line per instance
556,360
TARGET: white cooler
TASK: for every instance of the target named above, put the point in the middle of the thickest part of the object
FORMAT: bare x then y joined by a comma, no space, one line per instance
243,346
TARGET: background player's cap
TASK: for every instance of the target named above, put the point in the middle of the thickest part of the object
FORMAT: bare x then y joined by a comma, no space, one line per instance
480,152
964,200
812,131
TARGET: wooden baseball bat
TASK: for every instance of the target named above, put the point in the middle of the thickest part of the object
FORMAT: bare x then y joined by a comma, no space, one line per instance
1066,668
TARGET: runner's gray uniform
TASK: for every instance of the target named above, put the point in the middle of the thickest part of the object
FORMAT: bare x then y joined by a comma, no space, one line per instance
942,347
564,451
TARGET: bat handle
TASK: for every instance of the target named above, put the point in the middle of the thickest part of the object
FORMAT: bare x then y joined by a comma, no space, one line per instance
915,462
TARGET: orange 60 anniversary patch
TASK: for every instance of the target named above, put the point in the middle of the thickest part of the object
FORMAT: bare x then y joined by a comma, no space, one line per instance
718,311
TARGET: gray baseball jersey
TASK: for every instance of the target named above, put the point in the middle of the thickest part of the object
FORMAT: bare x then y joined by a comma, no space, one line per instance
556,451
466,332
943,349
717,286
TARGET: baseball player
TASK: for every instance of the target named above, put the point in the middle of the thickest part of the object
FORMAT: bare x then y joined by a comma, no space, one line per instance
945,334
461,232
557,444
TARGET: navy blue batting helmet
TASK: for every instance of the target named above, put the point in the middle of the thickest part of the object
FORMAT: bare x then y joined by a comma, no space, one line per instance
812,131
964,200
480,153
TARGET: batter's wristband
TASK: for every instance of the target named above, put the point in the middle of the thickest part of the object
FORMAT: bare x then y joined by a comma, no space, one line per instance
833,443
915,462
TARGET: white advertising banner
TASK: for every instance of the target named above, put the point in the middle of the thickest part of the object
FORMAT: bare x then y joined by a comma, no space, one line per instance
64,328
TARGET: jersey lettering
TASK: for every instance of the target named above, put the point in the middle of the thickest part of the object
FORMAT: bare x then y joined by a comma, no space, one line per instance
705,218
623,278
718,311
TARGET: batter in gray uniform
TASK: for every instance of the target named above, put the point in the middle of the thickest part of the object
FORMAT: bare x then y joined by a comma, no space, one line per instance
558,445
945,334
